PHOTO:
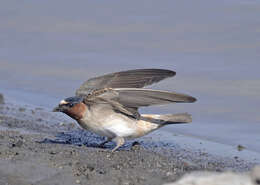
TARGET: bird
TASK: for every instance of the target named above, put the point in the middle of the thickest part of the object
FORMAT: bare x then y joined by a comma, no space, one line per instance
108,105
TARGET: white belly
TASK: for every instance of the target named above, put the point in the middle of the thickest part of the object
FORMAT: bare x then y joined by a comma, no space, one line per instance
110,125
120,128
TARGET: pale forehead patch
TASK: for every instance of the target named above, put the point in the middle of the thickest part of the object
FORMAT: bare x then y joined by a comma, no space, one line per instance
62,102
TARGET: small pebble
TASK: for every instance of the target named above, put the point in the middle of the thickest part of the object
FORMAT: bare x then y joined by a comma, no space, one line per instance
62,124
135,146
240,147
108,155
52,152
22,109
77,181
18,143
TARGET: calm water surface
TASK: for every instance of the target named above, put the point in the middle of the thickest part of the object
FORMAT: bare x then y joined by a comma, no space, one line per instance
48,48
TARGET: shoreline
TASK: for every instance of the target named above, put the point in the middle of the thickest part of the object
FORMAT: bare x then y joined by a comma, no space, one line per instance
32,99
48,148
187,140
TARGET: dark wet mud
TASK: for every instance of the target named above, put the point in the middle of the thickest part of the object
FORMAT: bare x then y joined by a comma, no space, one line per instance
43,148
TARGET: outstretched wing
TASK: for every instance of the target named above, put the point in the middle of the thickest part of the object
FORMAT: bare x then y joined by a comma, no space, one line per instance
128,100
134,97
125,79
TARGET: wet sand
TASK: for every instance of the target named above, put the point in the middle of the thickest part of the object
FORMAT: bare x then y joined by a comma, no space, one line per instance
44,148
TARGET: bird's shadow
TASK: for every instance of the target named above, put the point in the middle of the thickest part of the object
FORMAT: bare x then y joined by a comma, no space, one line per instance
81,138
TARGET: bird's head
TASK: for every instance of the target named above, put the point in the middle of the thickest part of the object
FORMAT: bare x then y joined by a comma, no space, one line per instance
72,106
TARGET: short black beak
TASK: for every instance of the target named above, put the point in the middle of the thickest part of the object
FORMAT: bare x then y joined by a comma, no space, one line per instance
57,109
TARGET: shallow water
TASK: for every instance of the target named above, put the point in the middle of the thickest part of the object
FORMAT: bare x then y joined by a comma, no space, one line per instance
47,49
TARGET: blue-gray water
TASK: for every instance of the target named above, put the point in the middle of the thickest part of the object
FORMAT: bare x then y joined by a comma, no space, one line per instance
50,47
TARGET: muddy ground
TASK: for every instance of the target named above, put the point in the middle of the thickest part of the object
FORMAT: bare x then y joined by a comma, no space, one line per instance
44,148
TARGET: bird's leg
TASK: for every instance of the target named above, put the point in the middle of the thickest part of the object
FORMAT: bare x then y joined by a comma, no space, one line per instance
119,142
105,142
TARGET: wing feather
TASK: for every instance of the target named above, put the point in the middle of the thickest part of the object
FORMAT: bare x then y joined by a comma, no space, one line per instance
133,97
125,79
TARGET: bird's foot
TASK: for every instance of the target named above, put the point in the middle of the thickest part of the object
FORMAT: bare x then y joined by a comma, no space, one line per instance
119,142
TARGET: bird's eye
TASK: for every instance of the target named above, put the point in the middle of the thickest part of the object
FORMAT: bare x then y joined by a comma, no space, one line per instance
70,104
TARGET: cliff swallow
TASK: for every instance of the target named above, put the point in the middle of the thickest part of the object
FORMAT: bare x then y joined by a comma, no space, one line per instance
108,105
